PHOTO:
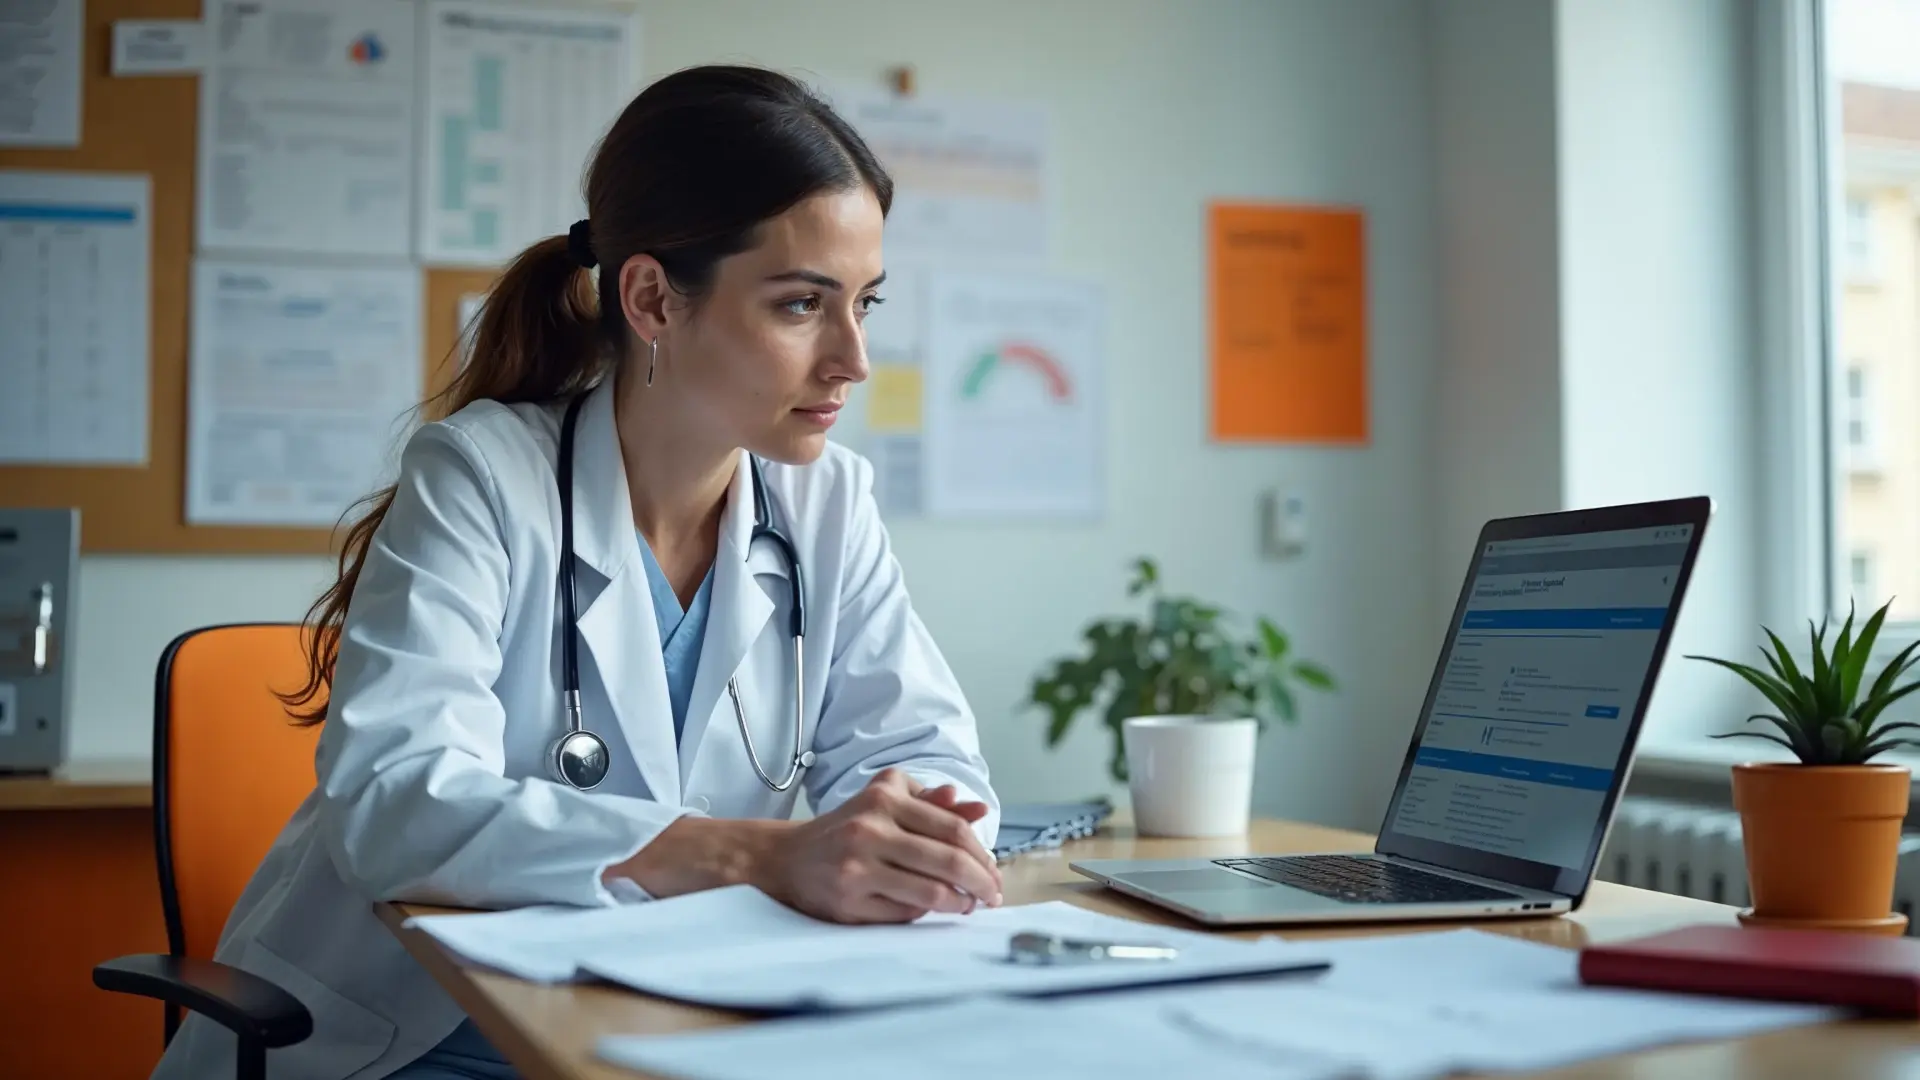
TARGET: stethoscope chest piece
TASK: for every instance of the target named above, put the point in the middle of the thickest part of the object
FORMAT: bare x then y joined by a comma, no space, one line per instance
580,759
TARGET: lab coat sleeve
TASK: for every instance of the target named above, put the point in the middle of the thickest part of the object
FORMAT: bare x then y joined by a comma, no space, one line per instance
414,801
890,700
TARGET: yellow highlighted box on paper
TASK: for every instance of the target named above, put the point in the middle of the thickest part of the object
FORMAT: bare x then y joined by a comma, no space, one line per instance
893,399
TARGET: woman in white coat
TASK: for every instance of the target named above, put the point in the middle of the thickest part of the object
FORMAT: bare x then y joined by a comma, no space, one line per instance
735,222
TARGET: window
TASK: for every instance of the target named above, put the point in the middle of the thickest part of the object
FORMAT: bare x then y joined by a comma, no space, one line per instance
1869,92
1858,419
1857,237
1860,575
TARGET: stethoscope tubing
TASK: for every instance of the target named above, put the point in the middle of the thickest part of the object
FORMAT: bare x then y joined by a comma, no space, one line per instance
579,757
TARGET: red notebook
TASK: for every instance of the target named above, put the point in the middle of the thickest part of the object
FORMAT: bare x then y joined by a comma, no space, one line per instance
1877,975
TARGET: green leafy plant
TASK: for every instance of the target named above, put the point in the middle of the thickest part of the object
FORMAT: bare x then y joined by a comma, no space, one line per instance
1180,659
1824,716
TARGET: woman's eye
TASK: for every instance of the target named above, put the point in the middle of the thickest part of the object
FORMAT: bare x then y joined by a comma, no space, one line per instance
805,305
868,303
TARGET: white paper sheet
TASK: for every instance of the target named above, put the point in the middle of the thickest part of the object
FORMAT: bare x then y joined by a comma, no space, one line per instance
1424,1005
737,948
1014,397
968,1040
971,177
547,944
301,378
74,297
306,128
516,98
938,958
159,47
40,58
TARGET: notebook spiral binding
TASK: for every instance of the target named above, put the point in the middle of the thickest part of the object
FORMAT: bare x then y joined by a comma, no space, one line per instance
1028,827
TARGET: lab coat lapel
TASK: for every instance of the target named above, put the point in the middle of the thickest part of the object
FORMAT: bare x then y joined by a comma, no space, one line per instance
738,616
618,624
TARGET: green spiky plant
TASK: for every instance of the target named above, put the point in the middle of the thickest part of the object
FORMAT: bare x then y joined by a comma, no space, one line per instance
1824,718
1180,659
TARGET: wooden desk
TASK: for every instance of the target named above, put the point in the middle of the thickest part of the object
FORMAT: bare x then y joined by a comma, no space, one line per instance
549,1032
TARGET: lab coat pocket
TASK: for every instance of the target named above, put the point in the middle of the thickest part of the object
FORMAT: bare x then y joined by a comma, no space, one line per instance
346,1037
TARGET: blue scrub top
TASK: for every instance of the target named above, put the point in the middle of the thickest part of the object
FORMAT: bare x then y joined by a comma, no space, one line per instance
681,632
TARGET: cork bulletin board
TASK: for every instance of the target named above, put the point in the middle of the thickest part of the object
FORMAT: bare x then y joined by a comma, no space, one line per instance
147,125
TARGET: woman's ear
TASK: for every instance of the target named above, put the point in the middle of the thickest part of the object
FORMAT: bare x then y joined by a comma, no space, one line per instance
644,291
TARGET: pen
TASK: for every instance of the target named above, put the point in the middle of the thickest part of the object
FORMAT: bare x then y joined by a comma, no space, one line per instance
1037,948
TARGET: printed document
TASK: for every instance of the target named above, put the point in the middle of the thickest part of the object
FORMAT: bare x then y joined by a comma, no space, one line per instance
40,61
966,1040
739,948
74,298
1417,1006
300,379
306,128
516,99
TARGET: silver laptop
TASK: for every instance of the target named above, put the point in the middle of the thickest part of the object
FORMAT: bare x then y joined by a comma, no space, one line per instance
1522,748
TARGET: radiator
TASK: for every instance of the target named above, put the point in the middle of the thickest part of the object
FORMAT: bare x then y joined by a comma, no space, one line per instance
1692,850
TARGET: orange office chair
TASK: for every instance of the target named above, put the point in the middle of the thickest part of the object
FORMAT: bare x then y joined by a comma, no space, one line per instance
229,769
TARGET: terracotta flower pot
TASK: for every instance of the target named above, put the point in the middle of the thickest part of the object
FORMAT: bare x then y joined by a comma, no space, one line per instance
1822,843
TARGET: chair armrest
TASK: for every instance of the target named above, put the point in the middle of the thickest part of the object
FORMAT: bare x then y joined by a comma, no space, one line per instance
244,1003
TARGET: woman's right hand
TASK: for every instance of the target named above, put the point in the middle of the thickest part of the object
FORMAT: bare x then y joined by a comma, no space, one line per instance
890,854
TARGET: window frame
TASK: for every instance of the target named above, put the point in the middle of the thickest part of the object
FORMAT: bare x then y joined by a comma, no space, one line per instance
1802,190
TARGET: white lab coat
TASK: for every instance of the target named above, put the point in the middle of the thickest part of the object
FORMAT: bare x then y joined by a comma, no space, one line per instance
446,697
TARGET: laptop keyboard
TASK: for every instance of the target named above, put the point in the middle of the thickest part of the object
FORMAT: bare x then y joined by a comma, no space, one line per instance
1365,881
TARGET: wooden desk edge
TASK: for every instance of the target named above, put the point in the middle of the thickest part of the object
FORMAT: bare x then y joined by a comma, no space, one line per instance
457,980
82,784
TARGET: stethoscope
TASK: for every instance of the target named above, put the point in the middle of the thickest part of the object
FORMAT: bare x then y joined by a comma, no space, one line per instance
579,758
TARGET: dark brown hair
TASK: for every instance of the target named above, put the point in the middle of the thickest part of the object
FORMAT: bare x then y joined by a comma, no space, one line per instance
686,174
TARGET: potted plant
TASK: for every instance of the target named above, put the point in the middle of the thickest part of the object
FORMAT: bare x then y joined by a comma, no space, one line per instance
1184,698
1822,833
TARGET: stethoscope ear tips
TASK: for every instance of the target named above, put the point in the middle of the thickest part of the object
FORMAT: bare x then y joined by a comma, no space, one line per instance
806,760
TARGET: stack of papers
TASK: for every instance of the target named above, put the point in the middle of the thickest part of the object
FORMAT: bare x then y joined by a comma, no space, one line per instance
968,1040
1407,1007
738,948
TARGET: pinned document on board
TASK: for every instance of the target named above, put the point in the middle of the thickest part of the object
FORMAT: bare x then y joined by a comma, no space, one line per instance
972,177
75,289
299,379
40,63
1288,323
516,98
306,128
1013,396
159,47
895,393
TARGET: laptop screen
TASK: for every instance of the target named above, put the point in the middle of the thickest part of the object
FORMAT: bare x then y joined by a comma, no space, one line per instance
1536,702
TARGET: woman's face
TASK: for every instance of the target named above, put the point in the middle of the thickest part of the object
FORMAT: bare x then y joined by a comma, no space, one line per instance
767,357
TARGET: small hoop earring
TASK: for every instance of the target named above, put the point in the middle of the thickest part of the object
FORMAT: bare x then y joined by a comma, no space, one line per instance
653,355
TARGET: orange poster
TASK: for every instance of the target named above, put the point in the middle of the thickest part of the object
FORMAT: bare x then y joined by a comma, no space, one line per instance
1288,323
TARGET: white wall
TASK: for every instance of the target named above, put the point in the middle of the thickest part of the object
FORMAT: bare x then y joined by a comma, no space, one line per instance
1659,359
1156,107
1597,297
1498,430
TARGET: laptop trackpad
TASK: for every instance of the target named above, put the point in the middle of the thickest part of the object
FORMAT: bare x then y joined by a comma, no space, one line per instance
1210,879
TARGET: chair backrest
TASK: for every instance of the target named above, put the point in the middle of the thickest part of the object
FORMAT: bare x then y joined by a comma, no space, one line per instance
229,768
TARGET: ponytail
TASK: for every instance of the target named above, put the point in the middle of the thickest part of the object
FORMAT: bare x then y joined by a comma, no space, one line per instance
539,337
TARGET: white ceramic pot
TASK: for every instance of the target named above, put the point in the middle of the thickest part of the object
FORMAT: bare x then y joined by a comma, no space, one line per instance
1190,775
